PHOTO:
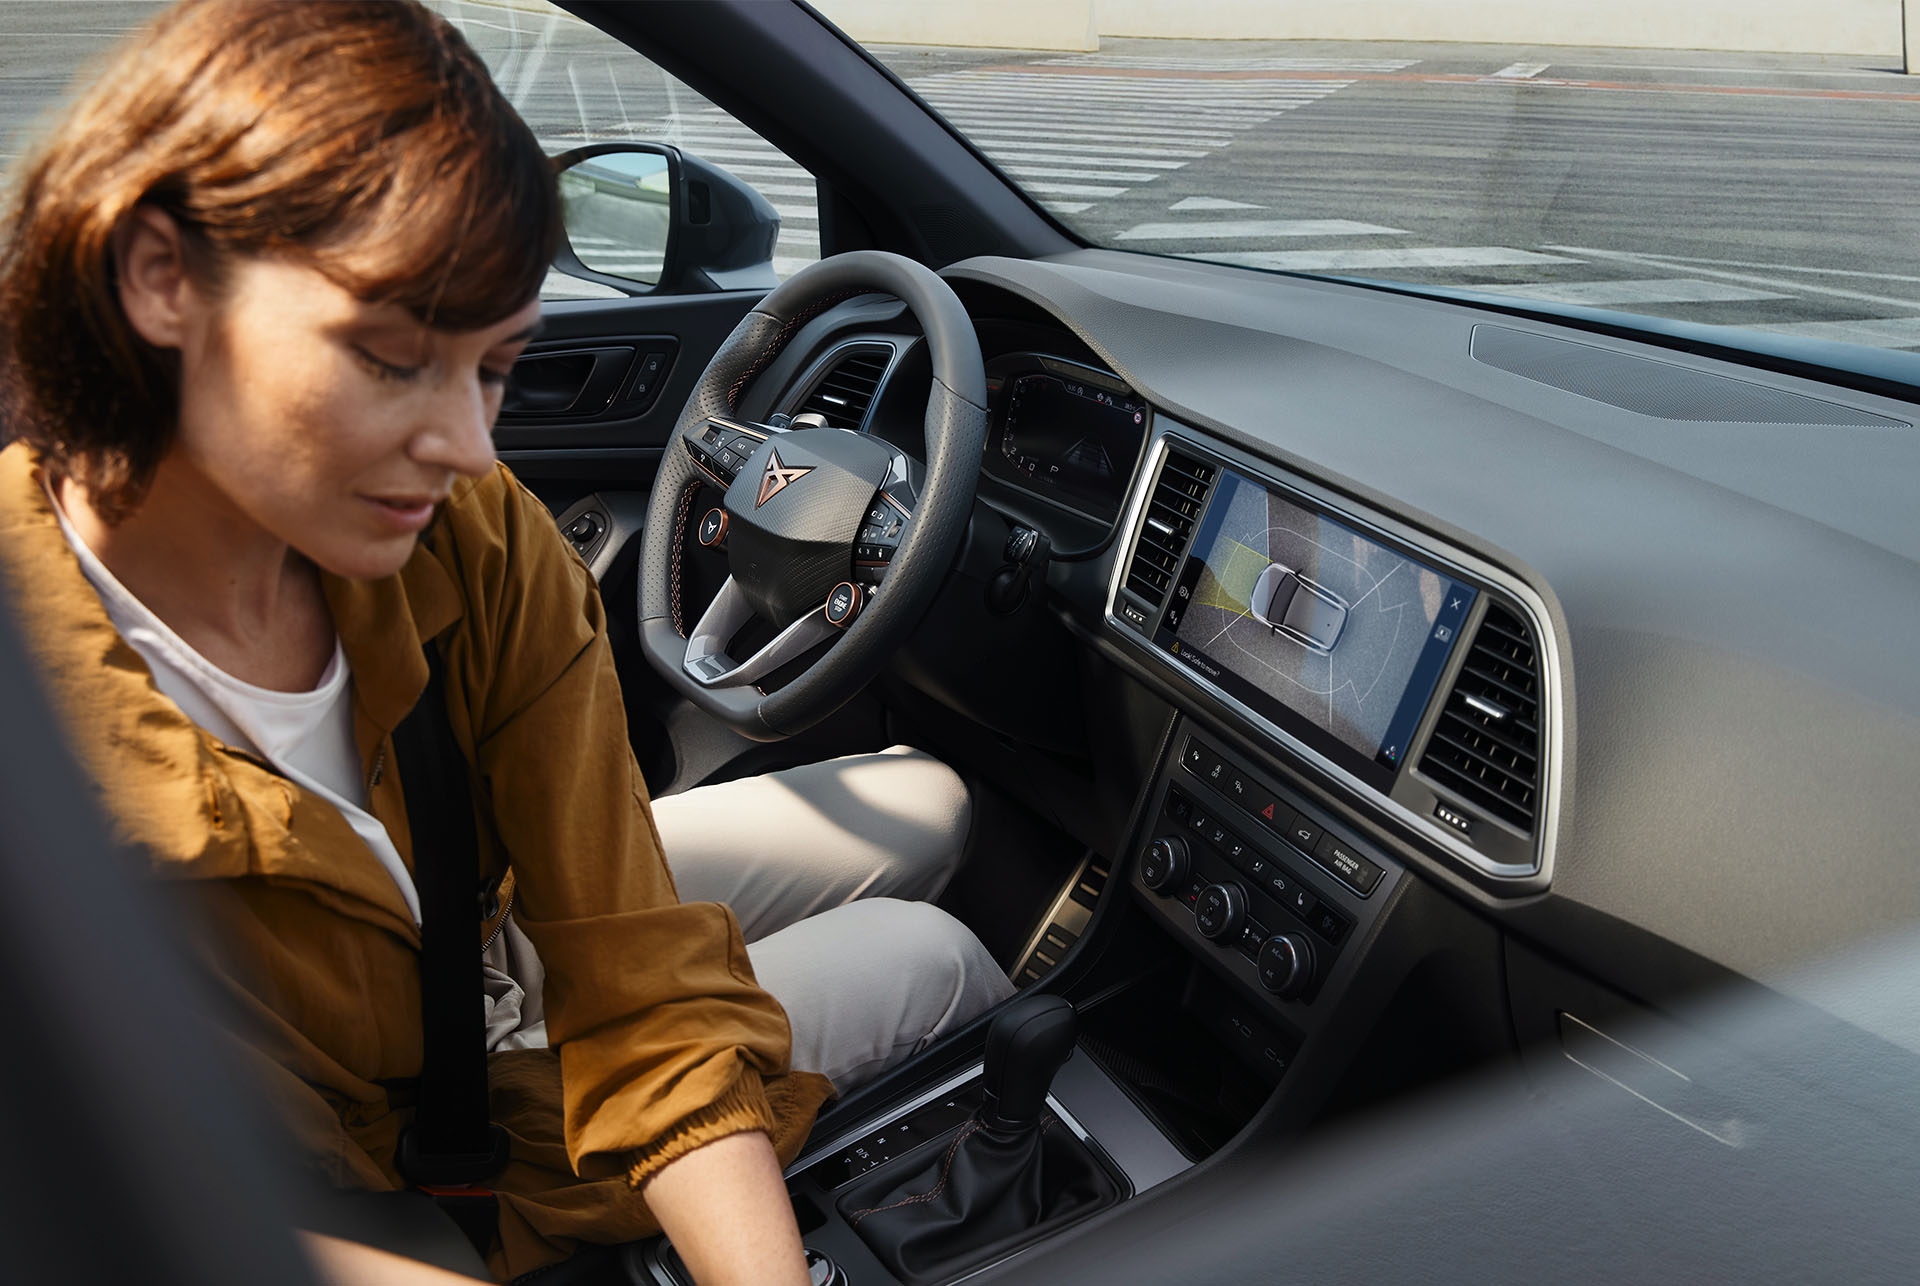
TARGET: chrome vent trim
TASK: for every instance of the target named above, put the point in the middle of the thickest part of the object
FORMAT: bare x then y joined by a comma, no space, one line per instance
1485,747
1173,509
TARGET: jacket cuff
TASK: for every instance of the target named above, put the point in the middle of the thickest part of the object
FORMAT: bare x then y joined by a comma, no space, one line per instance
743,1107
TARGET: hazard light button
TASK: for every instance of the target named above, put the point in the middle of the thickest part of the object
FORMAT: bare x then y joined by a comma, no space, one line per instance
1273,814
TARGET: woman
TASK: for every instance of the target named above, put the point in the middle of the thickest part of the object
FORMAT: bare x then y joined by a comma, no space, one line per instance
261,290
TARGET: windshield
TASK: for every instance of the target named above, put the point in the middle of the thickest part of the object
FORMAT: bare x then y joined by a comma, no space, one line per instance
1775,192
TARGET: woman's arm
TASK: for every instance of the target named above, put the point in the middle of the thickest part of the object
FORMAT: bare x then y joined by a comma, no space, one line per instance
725,1208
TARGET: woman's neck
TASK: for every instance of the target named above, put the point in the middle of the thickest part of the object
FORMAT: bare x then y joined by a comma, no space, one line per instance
238,595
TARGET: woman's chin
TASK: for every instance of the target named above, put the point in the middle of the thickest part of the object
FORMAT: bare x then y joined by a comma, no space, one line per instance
366,560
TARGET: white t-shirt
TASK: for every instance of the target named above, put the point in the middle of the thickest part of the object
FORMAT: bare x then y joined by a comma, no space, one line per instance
307,737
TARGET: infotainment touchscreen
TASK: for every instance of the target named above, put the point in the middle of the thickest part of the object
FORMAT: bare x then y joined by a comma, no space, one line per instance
1331,635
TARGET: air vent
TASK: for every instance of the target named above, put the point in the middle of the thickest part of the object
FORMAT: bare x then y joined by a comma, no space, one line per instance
845,393
1486,746
1179,494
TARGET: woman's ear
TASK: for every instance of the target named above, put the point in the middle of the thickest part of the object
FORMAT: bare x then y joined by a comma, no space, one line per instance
150,270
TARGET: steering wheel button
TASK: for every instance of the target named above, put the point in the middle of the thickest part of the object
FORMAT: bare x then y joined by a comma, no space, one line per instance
713,527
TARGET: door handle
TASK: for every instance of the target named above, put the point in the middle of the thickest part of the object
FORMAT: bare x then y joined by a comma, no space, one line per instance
574,381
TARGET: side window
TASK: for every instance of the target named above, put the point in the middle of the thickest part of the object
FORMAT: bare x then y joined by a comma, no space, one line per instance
577,87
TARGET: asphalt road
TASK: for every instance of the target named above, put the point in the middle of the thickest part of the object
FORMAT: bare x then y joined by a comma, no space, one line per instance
1767,191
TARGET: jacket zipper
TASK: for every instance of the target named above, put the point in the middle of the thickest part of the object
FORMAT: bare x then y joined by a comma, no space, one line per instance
505,911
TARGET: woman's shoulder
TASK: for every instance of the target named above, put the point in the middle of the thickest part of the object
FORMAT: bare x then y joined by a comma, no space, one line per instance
494,523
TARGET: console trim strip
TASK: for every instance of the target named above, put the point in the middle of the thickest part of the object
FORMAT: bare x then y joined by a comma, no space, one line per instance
1518,593
892,1114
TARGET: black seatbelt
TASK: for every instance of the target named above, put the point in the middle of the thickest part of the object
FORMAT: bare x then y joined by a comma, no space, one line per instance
451,1143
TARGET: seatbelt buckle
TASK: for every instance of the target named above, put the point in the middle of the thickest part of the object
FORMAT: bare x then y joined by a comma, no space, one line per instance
455,1171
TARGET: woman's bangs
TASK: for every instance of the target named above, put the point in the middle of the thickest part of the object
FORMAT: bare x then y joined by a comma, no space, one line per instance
460,240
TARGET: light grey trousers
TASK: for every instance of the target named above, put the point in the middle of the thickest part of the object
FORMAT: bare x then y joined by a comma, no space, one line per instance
830,869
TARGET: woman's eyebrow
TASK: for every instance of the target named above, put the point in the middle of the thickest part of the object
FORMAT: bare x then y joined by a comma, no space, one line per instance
527,333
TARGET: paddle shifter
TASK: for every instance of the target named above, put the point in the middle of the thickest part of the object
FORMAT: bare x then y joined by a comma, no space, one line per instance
1011,1173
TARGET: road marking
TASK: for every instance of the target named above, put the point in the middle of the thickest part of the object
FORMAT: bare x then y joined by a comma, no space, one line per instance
1791,267
1410,257
1079,156
1736,71
1751,279
1212,203
1069,189
1080,172
1114,133
1122,144
1661,290
1223,229
1885,332
1519,71
1233,64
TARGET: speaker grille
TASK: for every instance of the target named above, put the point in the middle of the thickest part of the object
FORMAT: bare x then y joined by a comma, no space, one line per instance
1662,390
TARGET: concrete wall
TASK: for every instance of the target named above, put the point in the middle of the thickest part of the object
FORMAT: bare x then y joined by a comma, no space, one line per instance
992,24
1872,27
1786,26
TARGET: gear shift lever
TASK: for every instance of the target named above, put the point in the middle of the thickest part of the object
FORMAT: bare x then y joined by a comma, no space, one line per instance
1027,1043
1002,1177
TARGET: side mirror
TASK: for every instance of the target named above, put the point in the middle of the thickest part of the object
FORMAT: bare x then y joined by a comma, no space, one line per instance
643,218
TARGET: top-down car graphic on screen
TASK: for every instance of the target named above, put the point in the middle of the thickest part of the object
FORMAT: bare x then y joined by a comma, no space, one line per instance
1291,605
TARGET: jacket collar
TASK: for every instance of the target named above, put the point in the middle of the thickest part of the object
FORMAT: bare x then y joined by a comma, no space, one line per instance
200,808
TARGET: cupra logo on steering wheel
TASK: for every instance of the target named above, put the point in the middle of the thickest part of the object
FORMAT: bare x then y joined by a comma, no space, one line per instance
776,478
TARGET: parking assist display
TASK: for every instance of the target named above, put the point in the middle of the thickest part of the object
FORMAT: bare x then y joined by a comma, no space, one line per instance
1334,637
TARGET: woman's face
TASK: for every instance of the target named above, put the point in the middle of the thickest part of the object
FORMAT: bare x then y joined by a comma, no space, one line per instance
332,424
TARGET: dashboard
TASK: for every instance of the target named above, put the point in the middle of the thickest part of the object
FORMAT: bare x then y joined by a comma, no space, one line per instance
1694,737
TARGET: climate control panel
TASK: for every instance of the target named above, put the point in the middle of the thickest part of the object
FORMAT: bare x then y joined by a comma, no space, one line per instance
1264,883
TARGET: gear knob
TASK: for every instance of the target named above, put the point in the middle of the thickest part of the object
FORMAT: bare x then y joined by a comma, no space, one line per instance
1026,1044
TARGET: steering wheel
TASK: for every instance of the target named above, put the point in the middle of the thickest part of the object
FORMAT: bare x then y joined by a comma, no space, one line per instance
830,535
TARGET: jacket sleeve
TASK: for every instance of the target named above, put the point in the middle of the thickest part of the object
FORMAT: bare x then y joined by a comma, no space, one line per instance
664,1037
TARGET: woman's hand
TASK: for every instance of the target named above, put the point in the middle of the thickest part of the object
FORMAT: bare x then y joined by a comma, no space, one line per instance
726,1210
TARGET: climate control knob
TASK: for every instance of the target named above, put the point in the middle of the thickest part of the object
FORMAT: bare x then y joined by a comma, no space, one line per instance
1285,964
1164,866
1219,912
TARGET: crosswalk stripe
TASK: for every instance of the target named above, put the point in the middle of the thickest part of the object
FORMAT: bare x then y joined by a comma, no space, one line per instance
1410,257
1234,229
1081,172
1235,64
1049,188
1074,93
1121,146
1882,332
975,126
1082,110
1080,156
1661,290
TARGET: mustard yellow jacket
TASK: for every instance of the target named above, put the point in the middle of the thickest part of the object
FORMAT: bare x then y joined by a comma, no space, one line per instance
661,1039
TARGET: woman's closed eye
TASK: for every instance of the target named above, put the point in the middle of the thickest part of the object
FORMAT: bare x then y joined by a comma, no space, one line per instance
384,369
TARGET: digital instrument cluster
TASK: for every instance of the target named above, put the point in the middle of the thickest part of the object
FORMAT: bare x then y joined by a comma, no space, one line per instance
1066,431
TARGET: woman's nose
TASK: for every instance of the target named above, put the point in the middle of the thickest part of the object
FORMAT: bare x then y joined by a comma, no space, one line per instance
459,433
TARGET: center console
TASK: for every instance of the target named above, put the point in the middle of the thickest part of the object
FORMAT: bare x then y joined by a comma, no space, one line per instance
1271,891
1354,703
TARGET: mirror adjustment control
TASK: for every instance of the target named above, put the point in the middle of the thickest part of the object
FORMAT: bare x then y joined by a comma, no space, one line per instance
1164,866
1285,964
1219,912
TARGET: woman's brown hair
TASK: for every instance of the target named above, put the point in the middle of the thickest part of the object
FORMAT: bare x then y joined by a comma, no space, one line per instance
361,138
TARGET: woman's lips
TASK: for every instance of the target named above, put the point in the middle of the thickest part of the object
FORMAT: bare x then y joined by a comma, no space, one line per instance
405,513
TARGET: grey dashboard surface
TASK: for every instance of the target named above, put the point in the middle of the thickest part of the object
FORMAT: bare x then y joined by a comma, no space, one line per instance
1739,599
